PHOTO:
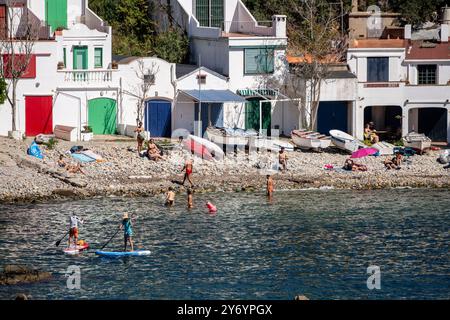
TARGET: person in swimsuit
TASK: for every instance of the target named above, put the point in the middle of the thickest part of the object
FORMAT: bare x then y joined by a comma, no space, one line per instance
282,159
190,193
127,231
170,197
140,136
370,135
269,186
71,168
188,168
73,229
153,152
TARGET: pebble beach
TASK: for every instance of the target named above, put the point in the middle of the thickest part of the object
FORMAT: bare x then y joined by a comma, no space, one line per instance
123,173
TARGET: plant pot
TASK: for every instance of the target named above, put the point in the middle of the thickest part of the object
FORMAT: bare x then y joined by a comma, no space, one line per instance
87,136
16,135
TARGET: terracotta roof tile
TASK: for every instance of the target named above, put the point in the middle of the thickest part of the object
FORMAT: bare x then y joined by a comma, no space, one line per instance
378,43
417,51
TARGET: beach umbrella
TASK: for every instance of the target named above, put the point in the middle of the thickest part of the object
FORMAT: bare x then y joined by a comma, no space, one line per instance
361,153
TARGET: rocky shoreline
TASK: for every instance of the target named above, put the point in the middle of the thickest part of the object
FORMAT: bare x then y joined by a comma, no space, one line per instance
25,179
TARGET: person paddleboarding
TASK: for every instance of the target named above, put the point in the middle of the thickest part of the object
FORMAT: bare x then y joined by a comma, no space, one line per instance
73,231
126,225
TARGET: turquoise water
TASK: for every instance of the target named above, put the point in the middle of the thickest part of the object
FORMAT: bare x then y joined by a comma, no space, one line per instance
314,243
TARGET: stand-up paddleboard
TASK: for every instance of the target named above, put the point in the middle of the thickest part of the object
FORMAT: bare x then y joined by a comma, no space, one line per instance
77,249
122,254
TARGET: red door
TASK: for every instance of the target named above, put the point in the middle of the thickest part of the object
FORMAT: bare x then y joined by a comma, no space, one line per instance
38,115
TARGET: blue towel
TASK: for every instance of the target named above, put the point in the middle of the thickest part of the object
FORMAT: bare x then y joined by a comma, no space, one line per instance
34,151
82,157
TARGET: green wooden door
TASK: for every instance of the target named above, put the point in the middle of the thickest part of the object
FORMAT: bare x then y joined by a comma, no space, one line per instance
102,115
80,58
56,13
252,114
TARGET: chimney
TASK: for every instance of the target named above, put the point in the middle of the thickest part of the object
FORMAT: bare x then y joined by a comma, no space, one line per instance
444,32
408,32
355,6
279,25
446,15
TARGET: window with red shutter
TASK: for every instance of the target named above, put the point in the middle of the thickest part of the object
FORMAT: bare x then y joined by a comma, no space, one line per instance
19,59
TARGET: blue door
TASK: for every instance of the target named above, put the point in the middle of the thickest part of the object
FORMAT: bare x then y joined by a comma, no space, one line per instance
212,113
332,115
158,118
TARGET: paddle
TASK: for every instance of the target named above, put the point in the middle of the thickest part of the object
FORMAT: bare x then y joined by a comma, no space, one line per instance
59,241
110,239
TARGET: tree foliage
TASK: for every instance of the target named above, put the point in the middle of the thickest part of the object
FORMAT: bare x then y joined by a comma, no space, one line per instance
136,34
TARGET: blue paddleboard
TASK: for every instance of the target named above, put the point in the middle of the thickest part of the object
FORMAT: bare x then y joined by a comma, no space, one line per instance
123,254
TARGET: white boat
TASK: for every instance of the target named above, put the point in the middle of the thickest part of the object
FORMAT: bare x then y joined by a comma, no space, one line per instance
267,143
228,136
417,141
213,149
384,148
310,140
345,141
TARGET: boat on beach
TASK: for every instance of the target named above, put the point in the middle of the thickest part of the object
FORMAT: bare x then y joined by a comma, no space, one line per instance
272,144
417,141
230,136
310,139
345,141
203,148
384,148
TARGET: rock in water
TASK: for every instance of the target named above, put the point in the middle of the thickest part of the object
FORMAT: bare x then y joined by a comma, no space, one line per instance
16,274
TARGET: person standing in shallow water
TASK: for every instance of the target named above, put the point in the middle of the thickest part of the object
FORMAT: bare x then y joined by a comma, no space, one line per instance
269,182
127,232
190,193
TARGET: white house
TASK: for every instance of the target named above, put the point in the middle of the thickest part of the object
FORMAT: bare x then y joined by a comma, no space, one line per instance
403,85
70,80
227,39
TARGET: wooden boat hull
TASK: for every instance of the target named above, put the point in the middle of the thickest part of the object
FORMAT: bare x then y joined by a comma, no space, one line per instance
310,140
384,148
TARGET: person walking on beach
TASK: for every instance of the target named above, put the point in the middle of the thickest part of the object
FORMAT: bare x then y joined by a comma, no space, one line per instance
127,232
269,186
170,197
188,169
190,193
140,137
282,159
73,229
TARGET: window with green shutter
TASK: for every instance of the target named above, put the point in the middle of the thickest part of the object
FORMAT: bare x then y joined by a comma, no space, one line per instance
258,61
98,57
210,13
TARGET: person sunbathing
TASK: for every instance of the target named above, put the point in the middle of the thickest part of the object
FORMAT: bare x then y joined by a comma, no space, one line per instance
71,168
350,165
394,163
153,152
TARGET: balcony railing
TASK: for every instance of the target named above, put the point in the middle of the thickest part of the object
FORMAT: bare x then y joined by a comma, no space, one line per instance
87,76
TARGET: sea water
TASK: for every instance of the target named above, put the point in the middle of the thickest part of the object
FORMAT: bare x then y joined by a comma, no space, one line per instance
317,243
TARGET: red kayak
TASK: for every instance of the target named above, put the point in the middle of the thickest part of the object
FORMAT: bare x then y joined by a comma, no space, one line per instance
198,149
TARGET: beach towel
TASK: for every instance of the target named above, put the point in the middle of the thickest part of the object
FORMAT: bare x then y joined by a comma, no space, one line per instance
34,151
92,155
82,157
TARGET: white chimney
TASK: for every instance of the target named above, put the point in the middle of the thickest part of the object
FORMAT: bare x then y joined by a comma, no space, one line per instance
444,32
279,26
355,6
408,32
446,15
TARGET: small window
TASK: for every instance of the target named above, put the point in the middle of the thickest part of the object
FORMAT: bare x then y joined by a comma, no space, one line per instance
427,74
98,57
378,69
258,61
201,79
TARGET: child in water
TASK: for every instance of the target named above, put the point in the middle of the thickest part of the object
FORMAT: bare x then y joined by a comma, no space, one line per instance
170,197
269,186
190,193
127,231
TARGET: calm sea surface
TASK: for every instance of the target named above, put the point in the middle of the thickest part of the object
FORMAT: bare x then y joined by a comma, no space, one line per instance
313,243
